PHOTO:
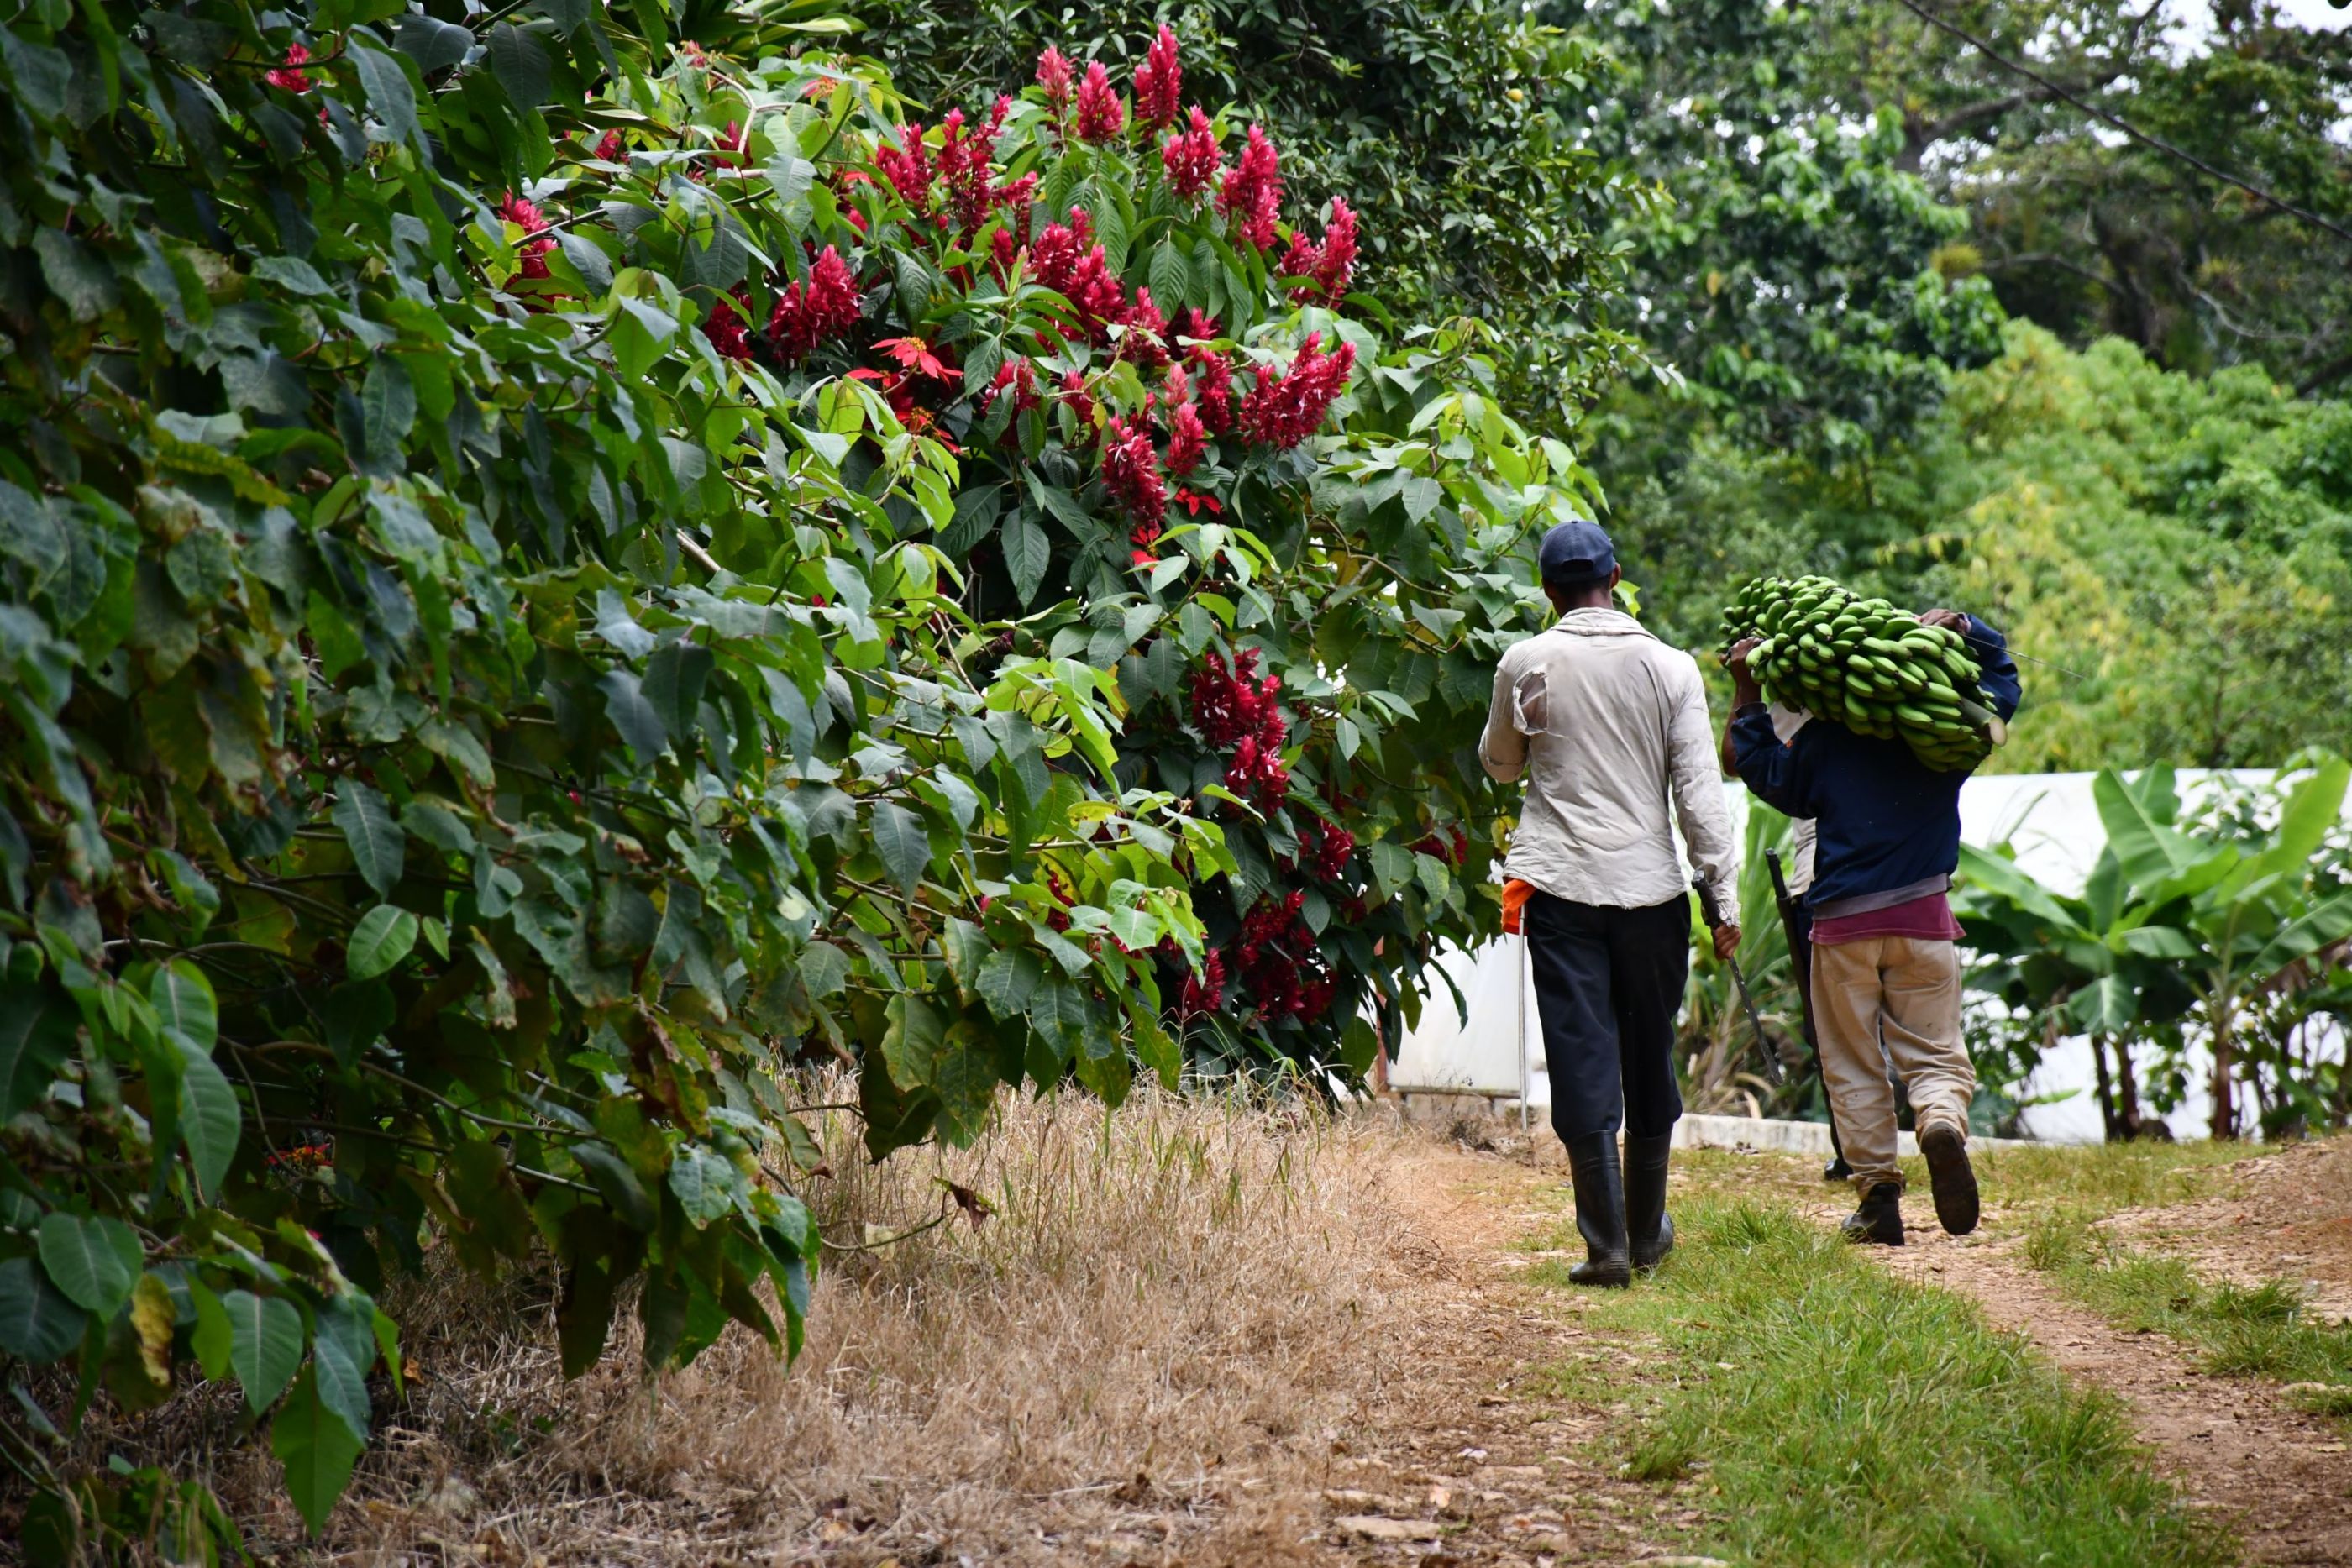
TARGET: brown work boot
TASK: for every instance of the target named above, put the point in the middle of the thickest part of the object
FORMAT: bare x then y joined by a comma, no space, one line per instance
1879,1220
1950,1177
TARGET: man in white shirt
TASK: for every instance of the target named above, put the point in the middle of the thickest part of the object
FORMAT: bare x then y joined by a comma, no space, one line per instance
1611,726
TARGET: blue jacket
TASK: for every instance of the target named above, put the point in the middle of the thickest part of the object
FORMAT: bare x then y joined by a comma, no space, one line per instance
1886,820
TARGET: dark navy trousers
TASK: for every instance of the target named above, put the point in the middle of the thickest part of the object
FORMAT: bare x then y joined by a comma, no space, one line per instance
1609,983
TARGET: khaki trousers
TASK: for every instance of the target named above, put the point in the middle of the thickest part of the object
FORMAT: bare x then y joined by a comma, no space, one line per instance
1906,993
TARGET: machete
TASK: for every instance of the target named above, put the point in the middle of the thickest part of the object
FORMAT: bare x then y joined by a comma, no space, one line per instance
1714,915
1781,896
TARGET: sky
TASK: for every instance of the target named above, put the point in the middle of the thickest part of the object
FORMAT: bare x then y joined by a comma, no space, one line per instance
2194,19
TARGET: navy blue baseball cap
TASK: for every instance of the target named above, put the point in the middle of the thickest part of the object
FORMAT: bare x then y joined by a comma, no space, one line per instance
1576,553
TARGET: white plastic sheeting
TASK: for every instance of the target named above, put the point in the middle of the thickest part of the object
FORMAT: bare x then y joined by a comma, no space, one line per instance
2050,819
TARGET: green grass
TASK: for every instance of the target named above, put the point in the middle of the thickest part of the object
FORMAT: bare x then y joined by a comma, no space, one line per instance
1842,1415
2100,1179
2257,1331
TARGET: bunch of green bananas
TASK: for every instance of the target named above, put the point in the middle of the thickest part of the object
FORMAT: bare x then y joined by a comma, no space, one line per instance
1866,664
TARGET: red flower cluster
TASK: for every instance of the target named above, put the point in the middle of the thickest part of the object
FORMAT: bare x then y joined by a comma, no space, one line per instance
1192,158
1325,849
1100,114
1146,340
1279,962
1238,708
1330,264
1158,80
1229,703
526,217
1130,471
1066,259
609,148
728,331
1285,409
1081,405
1188,438
1018,377
1204,992
1055,74
292,76
1253,191
1213,372
811,313
1451,844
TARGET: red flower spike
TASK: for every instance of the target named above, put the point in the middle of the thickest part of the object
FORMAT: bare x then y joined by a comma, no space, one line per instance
1131,472
1215,390
728,333
814,313
1253,191
1100,114
1075,397
1192,158
1188,439
1055,74
1329,265
526,217
1158,80
609,148
1145,341
1283,411
291,77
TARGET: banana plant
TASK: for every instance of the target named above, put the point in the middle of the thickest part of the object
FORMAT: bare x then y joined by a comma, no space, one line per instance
2173,927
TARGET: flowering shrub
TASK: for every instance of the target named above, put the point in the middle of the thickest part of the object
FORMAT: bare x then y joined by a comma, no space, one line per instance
552,593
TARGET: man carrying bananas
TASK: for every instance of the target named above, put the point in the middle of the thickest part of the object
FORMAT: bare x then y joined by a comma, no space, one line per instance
1610,723
1885,967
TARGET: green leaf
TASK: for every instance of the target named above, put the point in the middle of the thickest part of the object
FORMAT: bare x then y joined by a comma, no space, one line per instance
379,846
265,1343
1172,278
77,275
94,1261
38,1323
966,949
383,936
209,1123
212,1338
36,1031
673,687
519,64
911,1043
1007,978
389,92
342,1378
1026,553
318,1448
706,1184
2105,1007
901,840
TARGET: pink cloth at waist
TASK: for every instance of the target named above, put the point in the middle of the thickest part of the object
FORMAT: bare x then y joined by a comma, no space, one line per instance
1927,919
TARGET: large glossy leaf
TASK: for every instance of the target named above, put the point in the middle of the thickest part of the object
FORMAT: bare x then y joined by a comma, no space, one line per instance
210,1122
93,1259
38,1323
2149,852
37,1030
183,999
265,1343
900,839
318,1448
384,935
379,846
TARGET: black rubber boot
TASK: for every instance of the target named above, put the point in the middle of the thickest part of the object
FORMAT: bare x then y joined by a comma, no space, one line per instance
1879,1220
1837,1170
1648,1233
1950,1177
1599,1210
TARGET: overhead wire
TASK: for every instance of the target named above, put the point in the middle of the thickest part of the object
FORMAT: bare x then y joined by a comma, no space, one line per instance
1929,15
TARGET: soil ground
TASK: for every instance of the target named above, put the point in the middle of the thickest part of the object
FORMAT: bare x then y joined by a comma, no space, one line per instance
1416,1415
2279,1479
2288,1217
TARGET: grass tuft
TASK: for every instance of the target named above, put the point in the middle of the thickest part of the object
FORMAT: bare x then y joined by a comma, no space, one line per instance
1847,1417
2257,1331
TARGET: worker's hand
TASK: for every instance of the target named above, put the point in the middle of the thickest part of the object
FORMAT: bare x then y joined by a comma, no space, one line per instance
1952,618
1727,941
1744,689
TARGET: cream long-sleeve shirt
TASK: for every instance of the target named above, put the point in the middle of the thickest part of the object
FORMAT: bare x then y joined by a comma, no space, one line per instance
1609,726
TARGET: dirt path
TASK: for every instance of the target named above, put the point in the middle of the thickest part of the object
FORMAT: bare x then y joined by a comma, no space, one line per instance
2281,1479
1465,1459
2289,1218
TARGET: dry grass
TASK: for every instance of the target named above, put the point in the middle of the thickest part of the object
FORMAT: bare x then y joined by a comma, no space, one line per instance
1164,1319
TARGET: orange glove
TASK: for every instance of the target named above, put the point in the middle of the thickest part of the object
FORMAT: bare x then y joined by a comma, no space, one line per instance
1515,894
